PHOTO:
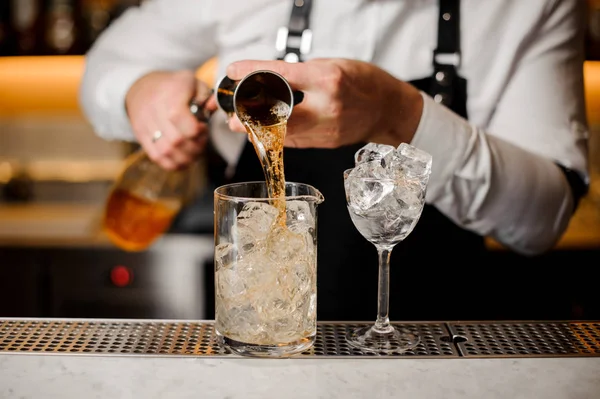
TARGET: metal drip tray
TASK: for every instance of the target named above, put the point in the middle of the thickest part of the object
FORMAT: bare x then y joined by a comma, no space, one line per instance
180,338
187,338
331,341
522,339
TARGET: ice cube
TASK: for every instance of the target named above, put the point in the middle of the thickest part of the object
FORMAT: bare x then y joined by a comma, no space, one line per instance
225,255
382,153
257,272
372,169
411,198
299,212
256,218
284,245
246,239
230,284
364,192
412,163
308,233
400,227
301,221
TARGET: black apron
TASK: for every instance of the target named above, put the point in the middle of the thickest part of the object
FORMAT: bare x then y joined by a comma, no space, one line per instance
441,271
347,263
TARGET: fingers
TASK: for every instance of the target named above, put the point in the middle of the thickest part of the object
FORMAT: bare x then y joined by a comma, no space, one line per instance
297,74
203,92
201,107
164,151
308,128
211,104
184,135
154,152
186,123
158,107
173,150
182,139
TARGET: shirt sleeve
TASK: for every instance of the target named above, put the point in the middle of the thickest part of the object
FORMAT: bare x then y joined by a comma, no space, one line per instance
502,180
159,35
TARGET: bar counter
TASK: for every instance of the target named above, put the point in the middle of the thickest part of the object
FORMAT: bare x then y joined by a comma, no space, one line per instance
85,358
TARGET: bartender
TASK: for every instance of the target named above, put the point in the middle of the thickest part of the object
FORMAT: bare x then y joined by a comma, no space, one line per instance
492,90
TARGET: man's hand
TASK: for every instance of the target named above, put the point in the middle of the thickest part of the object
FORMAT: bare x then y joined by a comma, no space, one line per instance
345,102
158,108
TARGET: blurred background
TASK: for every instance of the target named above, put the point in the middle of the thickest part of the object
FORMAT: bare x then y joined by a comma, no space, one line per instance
55,175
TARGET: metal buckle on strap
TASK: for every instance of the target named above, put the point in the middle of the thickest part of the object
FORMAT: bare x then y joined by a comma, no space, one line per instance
446,58
284,41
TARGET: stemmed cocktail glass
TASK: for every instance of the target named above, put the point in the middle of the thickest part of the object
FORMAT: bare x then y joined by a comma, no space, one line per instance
385,195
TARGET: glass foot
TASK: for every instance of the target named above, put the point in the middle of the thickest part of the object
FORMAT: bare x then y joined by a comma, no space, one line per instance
390,340
276,350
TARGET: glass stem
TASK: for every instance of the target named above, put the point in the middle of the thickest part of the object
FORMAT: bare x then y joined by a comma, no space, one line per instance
382,325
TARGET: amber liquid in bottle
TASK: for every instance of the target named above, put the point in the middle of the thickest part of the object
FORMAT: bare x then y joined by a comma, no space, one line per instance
133,223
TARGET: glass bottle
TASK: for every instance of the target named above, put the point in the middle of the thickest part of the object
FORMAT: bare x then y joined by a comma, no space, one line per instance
145,198
144,201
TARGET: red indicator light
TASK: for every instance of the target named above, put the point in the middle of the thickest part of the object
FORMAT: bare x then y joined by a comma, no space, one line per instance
121,276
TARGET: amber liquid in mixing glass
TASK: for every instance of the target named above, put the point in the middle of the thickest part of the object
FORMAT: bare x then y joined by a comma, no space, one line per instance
133,223
273,313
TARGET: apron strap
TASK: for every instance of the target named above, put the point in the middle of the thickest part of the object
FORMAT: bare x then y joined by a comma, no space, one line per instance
579,186
447,56
295,40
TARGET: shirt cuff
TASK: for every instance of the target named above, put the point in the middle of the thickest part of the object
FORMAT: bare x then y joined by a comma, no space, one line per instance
447,154
112,91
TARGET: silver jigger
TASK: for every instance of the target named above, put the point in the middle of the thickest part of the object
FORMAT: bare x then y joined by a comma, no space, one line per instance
260,96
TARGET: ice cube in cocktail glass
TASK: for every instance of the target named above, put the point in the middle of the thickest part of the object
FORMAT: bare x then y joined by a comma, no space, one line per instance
385,195
265,268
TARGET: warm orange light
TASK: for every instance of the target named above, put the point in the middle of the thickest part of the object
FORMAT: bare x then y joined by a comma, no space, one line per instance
206,72
39,85
591,73
44,85
50,84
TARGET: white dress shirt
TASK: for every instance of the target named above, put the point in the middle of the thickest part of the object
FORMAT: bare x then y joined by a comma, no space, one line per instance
493,174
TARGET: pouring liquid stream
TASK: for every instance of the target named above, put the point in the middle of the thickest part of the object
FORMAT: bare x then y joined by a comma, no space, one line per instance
267,139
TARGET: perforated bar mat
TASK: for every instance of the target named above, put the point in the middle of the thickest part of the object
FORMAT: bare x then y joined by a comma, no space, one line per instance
181,338
522,339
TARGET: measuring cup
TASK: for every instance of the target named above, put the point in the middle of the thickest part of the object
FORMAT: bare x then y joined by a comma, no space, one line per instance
260,96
